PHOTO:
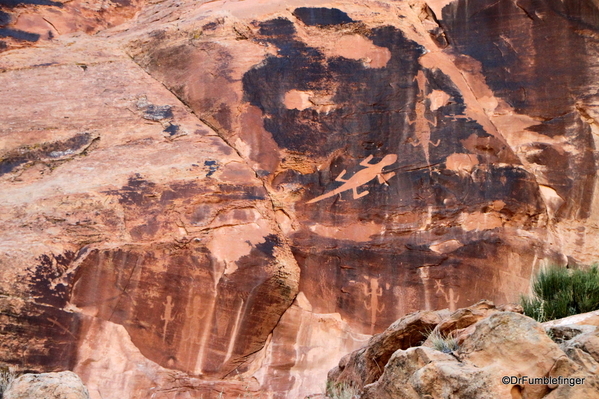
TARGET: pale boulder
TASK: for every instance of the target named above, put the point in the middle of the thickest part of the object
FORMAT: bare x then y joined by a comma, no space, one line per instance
63,385
500,345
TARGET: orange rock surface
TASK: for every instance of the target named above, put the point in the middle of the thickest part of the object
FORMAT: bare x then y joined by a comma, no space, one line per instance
166,223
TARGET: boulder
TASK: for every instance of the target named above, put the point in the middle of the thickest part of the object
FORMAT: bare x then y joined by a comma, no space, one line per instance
365,365
458,323
579,341
587,319
418,372
61,385
502,356
588,342
507,344
590,390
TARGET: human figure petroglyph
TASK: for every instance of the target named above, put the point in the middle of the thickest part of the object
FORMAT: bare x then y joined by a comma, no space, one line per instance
422,129
451,299
192,338
424,277
439,286
168,316
421,122
421,80
362,177
194,315
374,293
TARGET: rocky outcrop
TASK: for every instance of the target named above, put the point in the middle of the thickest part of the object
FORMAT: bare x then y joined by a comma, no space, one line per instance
365,365
63,385
170,169
503,354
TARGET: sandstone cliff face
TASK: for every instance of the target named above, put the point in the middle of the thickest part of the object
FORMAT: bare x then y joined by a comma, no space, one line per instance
121,207
170,169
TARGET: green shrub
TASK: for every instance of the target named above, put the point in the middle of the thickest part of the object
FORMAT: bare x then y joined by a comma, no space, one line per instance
559,292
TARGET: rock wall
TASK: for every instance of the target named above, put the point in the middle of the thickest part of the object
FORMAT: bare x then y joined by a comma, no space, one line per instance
236,194
121,207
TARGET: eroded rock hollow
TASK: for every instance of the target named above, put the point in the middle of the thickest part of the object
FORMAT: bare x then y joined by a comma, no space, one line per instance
204,198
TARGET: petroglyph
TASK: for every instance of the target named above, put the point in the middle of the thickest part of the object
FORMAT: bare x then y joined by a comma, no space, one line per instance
421,122
439,286
362,177
424,277
422,81
240,313
194,315
168,316
451,299
374,293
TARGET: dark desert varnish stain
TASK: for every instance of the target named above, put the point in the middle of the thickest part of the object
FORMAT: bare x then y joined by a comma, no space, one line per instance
534,56
7,17
371,117
47,152
320,16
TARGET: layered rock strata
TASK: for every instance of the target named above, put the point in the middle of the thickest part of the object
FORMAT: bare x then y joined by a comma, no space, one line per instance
169,169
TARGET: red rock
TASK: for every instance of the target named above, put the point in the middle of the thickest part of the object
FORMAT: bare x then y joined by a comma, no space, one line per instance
366,365
503,345
159,163
461,323
30,22
122,219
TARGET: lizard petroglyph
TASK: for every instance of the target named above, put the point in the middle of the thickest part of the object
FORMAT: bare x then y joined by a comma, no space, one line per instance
361,177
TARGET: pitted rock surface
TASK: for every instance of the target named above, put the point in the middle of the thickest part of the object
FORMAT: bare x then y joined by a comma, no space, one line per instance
63,385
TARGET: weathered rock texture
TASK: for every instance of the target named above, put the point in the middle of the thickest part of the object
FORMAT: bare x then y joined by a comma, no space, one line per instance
64,385
170,168
121,208
499,344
